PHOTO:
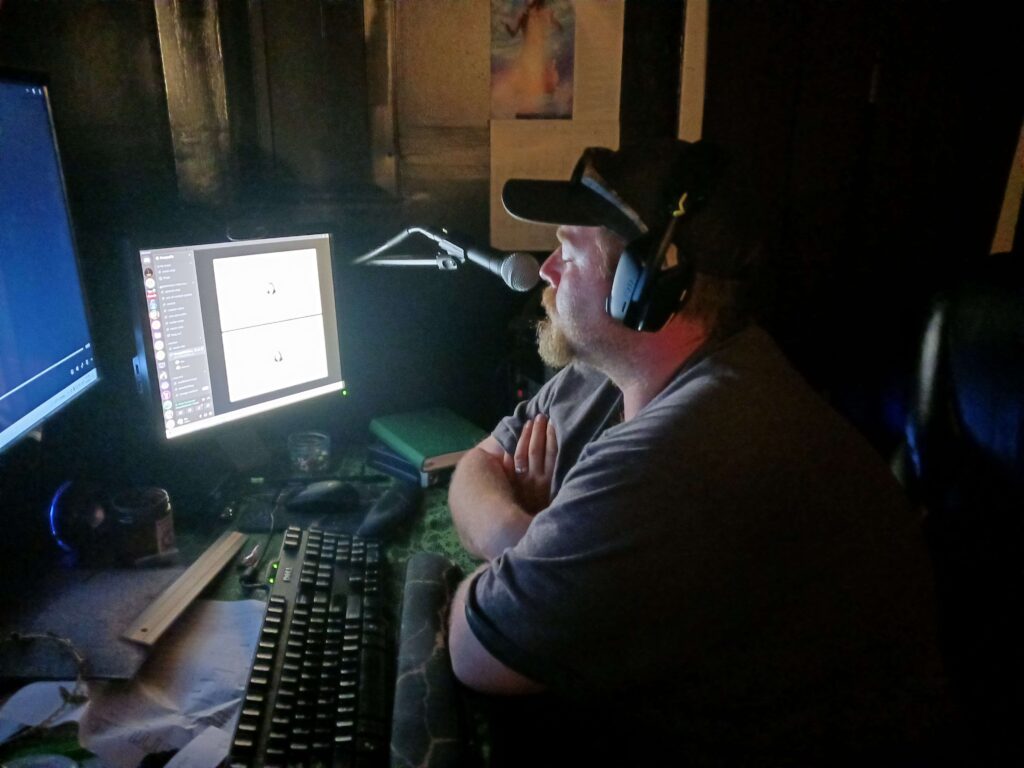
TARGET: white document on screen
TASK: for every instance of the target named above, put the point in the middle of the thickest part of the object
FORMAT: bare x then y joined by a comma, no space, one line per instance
271,321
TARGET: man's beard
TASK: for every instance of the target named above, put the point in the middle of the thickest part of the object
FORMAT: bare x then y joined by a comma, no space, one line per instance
553,345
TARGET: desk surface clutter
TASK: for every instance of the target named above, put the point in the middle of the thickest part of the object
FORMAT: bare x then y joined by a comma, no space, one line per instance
428,540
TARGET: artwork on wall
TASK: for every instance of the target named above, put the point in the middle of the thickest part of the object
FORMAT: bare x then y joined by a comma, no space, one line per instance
532,59
542,139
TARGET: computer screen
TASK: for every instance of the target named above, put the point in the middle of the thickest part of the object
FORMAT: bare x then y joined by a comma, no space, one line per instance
237,328
46,351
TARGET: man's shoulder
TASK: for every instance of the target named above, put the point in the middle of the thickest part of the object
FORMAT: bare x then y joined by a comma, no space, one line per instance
749,348
580,371
576,379
725,369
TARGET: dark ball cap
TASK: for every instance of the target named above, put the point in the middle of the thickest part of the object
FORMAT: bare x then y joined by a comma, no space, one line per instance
637,188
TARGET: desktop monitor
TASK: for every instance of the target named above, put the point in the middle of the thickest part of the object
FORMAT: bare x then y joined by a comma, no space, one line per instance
237,328
46,351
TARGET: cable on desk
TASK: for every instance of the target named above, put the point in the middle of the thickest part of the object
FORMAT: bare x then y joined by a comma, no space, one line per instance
247,578
77,695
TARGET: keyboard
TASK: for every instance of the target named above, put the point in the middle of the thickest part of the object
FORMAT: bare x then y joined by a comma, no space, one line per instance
318,691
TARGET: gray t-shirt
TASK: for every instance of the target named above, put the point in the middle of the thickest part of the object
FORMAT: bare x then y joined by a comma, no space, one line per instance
735,559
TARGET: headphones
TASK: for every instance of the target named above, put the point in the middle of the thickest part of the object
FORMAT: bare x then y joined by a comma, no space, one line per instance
645,293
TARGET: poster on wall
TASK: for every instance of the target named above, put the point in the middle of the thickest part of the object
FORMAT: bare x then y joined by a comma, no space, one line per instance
532,59
581,110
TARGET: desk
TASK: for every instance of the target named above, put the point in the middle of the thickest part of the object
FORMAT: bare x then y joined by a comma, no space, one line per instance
431,531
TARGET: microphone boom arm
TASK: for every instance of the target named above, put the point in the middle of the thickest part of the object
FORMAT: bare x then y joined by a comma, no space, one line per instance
449,257
519,271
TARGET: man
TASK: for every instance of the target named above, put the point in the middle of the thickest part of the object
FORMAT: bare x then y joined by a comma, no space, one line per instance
679,532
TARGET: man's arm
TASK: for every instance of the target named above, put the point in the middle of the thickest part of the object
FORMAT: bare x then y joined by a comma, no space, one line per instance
493,497
483,502
494,494
473,664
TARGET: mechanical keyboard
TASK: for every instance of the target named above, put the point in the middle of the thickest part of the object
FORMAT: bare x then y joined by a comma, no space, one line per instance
318,690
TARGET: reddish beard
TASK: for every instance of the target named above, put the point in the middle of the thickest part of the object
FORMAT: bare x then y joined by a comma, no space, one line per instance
553,346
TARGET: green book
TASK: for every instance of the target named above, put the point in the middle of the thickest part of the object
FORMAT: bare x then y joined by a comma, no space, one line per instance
431,439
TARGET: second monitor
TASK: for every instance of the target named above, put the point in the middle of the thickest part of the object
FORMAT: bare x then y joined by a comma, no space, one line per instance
237,328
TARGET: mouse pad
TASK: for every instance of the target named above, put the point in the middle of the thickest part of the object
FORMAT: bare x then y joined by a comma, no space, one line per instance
91,607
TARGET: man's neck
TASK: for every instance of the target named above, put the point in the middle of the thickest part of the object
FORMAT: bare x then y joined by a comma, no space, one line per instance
650,360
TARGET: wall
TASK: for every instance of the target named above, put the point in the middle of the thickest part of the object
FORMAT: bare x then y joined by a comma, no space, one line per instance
411,338
443,103
881,163
881,154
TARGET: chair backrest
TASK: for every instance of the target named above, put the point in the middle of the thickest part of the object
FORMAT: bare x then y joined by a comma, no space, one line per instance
965,436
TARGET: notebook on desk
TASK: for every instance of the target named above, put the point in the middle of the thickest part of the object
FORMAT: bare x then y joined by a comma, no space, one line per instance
431,440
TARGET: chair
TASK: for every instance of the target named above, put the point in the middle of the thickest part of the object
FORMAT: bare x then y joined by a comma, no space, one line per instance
965,440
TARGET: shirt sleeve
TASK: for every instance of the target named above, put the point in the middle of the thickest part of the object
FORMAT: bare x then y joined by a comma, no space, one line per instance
509,428
556,607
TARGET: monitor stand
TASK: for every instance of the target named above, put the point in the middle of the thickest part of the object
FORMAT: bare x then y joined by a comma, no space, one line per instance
244,449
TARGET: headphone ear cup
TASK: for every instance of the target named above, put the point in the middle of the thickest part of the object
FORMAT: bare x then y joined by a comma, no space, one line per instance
666,295
629,276
644,296
629,283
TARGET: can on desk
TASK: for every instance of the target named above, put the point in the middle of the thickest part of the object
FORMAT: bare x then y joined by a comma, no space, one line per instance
144,524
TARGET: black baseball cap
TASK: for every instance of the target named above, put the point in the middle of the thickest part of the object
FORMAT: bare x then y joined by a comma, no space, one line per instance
637,188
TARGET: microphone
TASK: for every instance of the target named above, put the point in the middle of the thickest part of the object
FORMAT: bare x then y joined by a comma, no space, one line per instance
520,271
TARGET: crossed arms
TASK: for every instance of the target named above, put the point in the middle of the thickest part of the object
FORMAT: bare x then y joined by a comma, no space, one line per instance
493,498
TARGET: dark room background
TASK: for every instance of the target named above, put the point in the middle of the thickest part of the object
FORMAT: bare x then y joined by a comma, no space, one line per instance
879,135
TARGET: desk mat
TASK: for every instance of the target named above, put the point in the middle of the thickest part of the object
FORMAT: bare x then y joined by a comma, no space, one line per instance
90,607
432,531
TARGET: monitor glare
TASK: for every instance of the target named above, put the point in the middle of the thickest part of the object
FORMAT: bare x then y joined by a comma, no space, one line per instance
46,353
238,328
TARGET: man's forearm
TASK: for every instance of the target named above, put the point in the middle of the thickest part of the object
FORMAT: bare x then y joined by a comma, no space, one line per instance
483,503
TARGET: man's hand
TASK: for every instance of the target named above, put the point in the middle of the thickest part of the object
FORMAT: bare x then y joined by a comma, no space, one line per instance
533,464
484,503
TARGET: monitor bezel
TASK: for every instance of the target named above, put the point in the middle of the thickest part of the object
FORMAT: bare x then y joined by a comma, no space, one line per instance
144,363
39,79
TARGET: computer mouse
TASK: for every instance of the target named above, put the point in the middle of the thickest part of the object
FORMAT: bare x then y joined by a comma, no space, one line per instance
325,496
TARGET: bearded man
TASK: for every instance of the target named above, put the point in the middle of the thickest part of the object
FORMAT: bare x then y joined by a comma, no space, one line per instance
684,542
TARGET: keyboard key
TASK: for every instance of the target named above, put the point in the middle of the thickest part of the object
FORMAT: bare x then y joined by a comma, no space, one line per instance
321,659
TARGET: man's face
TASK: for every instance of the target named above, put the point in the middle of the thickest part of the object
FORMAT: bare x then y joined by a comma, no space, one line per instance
579,276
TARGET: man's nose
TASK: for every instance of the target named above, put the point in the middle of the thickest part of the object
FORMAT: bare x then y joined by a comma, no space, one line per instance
551,269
